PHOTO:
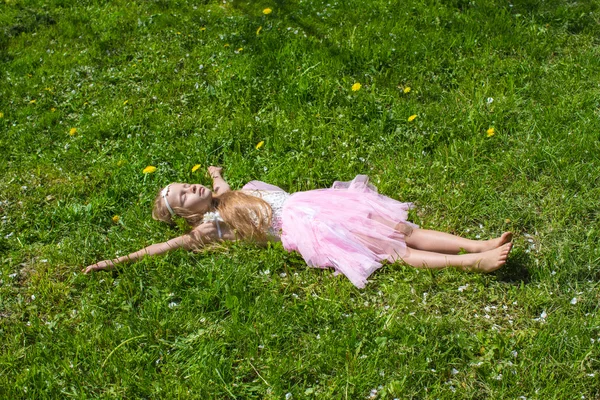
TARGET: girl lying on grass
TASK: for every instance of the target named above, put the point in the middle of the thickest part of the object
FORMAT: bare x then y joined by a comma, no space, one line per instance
349,227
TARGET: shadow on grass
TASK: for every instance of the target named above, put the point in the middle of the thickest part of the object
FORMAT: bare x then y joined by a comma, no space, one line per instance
515,270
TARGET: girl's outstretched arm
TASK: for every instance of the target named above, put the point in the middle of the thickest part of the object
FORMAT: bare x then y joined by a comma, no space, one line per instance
219,184
200,236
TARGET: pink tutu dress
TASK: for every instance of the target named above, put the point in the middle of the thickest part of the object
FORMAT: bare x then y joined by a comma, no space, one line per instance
349,227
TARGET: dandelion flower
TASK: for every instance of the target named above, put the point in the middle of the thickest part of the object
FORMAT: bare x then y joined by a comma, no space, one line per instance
1,115
260,144
258,30
507,220
149,169
125,102
203,29
407,89
195,167
53,109
356,87
226,45
491,132
116,219
32,101
72,131
267,11
240,49
412,117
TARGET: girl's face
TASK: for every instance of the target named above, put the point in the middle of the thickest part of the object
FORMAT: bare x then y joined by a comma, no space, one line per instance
195,199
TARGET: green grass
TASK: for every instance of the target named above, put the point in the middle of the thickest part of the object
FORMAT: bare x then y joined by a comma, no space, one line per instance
177,83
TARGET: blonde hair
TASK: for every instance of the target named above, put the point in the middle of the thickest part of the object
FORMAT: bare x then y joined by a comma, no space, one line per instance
249,216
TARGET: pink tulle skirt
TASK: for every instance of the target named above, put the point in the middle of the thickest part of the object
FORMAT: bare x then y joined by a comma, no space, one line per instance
349,227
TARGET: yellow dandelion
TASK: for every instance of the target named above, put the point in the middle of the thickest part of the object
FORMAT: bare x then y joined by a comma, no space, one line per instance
226,45
72,131
195,167
412,117
260,144
1,115
491,132
179,33
149,169
120,163
267,11
407,89
125,102
356,87
116,219
507,220
258,30
240,49
53,109
32,101
203,29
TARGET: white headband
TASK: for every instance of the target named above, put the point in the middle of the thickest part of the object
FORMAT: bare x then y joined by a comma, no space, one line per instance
164,196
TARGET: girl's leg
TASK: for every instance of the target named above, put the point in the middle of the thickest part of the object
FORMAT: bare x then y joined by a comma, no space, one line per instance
487,261
440,242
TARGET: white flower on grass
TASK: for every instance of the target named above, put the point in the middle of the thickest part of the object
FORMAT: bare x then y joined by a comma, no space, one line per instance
574,300
173,304
454,371
33,297
463,288
261,346
591,375
542,317
514,353
490,100
372,394
497,377
288,396
283,274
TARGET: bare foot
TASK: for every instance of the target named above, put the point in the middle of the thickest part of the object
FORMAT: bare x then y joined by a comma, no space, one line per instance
493,259
491,244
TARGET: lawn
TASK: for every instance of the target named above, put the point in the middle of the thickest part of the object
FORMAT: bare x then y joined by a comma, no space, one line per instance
485,114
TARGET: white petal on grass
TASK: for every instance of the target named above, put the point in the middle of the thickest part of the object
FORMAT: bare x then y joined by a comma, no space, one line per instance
574,300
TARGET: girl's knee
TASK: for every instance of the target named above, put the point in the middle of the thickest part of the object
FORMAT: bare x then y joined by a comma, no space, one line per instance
405,229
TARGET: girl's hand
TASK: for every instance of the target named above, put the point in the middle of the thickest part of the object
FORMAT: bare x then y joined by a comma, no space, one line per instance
215,172
106,264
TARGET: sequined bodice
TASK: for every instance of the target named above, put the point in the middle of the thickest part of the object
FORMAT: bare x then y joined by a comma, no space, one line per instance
276,199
